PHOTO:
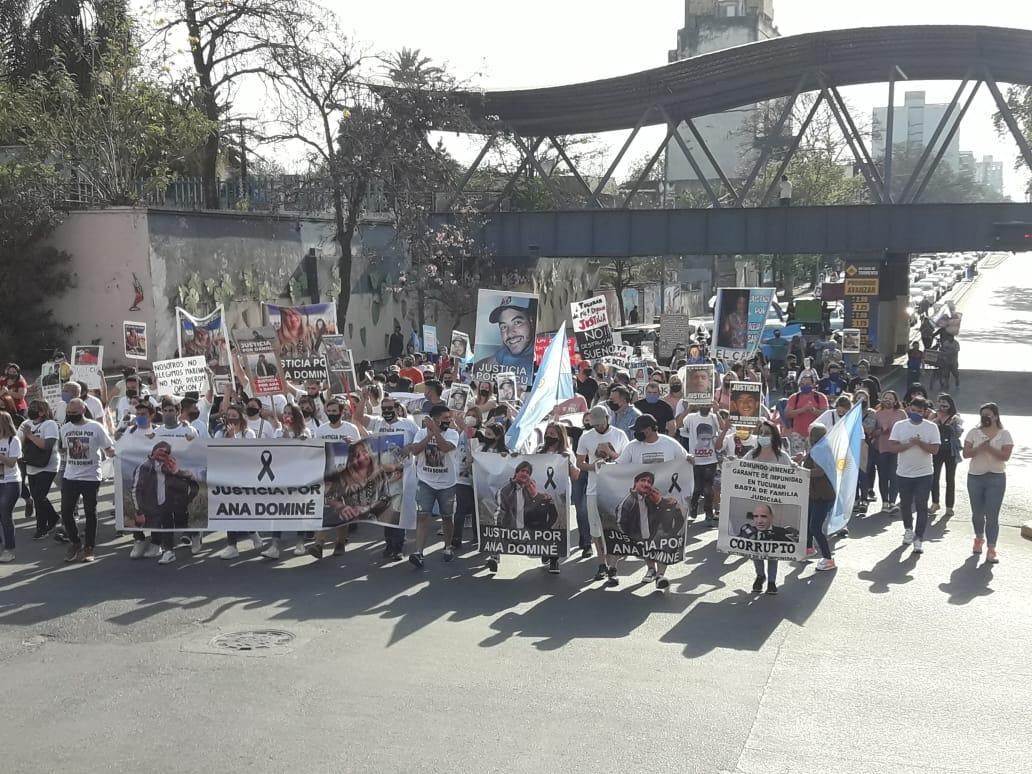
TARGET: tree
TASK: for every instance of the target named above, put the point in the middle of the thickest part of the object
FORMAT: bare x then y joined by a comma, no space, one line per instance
623,273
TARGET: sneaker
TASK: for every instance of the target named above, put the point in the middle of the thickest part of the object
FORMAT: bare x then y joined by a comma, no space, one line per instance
299,547
908,537
256,542
73,553
772,588
449,554
152,550
37,535
167,557
492,563
195,544
138,548
917,546
977,547
811,553
416,560
60,535
6,557
272,552
602,572
757,585
185,540
315,550
395,557
650,576
825,564
612,581
553,566
587,552
991,557
229,552
842,533
662,582
933,508
87,554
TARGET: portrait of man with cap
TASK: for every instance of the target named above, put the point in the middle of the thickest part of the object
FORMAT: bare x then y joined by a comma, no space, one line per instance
516,318
645,514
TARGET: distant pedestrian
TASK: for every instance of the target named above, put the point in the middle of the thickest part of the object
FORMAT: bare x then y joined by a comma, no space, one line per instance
785,191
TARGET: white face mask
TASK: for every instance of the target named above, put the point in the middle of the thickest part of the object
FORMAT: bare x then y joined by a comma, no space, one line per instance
471,421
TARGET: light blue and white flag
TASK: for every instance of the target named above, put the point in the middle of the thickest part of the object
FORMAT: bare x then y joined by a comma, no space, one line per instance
552,385
838,454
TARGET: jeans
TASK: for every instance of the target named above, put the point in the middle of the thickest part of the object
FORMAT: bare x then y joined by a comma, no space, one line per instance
71,491
986,494
704,475
772,569
950,463
819,512
9,494
913,495
579,492
888,484
427,497
394,540
39,487
465,505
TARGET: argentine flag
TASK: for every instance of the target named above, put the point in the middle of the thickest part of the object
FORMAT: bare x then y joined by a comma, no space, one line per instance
838,454
552,385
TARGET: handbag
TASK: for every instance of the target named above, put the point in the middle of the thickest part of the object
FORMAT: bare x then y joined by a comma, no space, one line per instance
35,456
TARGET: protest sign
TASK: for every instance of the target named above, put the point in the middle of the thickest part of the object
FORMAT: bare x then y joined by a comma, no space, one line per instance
460,397
506,329
851,341
430,339
522,503
746,398
340,366
541,342
591,328
207,337
697,383
763,509
639,371
739,317
265,484
369,480
507,387
299,335
675,330
88,365
643,507
257,358
134,337
181,375
160,483
459,347
50,385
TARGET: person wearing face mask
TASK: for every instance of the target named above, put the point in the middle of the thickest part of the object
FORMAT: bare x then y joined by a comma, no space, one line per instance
834,384
915,441
769,448
124,406
557,442
951,429
864,379
484,399
10,482
675,396
235,426
653,405
13,388
623,413
85,442
822,499
701,431
722,395
434,449
40,432
336,427
843,403
886,417
141,425
988,446
805,406
586,385
651,448
465,505
390,421
597,446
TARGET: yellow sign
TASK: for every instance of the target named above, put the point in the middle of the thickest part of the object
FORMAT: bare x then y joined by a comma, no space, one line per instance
861,287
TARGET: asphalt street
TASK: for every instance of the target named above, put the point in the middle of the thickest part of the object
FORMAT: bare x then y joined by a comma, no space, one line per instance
889,664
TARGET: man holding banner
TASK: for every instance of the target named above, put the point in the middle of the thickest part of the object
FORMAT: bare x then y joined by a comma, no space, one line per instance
434,449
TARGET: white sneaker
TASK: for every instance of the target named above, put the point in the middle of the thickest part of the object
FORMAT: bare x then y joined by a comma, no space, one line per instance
825,564
229,552
152,550
167,557
256,541
6,557
195,544
918,546
299,547
908,537
649,576
272,552
138,548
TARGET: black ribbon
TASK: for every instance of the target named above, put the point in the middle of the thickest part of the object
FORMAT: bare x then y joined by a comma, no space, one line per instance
550,483
266,466
673,483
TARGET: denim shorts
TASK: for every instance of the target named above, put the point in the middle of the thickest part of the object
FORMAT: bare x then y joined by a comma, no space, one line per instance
427,497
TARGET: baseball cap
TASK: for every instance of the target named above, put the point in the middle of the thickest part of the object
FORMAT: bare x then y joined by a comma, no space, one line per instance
508,302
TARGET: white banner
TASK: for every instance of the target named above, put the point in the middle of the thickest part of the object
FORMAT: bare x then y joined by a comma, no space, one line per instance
265,485
763,509
591,327
88,365
181,375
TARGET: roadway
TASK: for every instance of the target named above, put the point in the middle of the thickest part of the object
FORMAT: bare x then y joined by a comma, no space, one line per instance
889,664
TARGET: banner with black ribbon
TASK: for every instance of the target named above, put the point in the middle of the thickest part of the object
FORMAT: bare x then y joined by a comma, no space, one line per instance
644,509
522,503
265,485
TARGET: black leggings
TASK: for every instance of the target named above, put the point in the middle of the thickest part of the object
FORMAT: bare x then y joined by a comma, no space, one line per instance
704,475
39,487
950,463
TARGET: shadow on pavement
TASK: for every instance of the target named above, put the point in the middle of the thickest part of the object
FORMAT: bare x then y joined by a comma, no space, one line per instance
968,582
893,570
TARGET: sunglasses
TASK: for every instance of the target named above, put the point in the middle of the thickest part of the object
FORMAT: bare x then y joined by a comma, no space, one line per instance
551,437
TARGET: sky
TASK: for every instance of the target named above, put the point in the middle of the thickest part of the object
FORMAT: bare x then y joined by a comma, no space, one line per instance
554,42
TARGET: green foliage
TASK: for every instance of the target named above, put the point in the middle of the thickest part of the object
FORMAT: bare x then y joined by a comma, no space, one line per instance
620,273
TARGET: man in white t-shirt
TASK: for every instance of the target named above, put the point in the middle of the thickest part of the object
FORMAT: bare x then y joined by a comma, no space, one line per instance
10,485
602,443
85,442
336,428
705,442
390,422
434,448
651,448
916,441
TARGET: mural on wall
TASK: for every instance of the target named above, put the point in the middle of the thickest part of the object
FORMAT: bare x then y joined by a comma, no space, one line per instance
137,294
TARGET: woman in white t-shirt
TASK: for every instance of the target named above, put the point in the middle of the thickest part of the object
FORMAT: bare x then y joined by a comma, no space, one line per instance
294,425
42,432
989,447
556,441
235,426
769,448
10,482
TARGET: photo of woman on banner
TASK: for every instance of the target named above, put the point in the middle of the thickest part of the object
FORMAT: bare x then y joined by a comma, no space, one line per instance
732,320
360,488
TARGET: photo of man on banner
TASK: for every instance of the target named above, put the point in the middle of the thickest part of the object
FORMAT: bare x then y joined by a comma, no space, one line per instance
506,330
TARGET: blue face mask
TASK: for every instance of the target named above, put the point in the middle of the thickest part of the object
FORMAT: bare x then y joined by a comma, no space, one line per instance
764,441
806,388
66,396
141,421
915,417
652,398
